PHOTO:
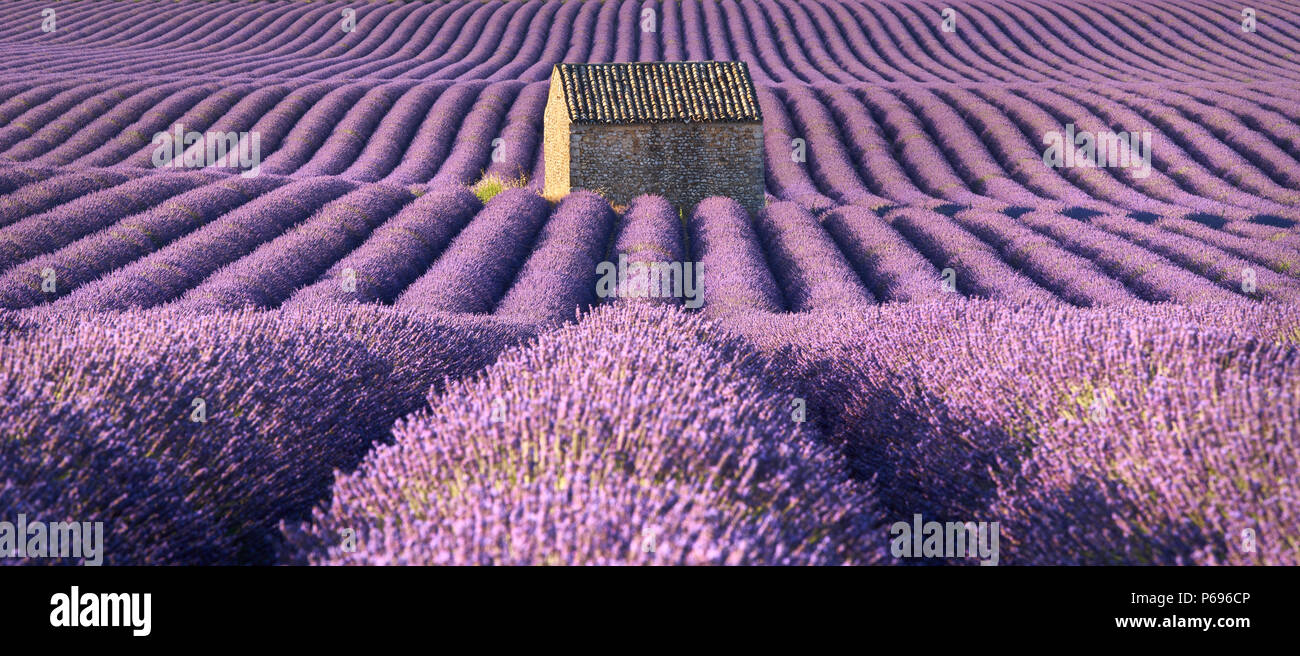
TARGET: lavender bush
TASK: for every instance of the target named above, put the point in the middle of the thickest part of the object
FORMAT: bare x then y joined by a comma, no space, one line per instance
481,262
640,436
735,272
100,417
559,277
650,233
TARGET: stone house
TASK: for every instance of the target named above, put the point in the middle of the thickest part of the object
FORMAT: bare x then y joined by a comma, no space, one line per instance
681,130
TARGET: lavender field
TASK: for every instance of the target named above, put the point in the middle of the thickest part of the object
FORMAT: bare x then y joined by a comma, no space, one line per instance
364,336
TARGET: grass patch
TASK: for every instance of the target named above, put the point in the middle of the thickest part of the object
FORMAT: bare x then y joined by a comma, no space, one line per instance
489,186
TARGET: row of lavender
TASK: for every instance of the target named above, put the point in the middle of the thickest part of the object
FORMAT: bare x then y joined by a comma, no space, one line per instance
207,241
1222,157
782,40
1138,435
1228,152
1151,434
190,435
396,133
645,434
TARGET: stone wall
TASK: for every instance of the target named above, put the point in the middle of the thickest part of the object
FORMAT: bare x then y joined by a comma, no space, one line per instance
683,162
555,142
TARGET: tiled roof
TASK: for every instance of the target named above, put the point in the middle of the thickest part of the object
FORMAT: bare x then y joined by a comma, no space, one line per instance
659,92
